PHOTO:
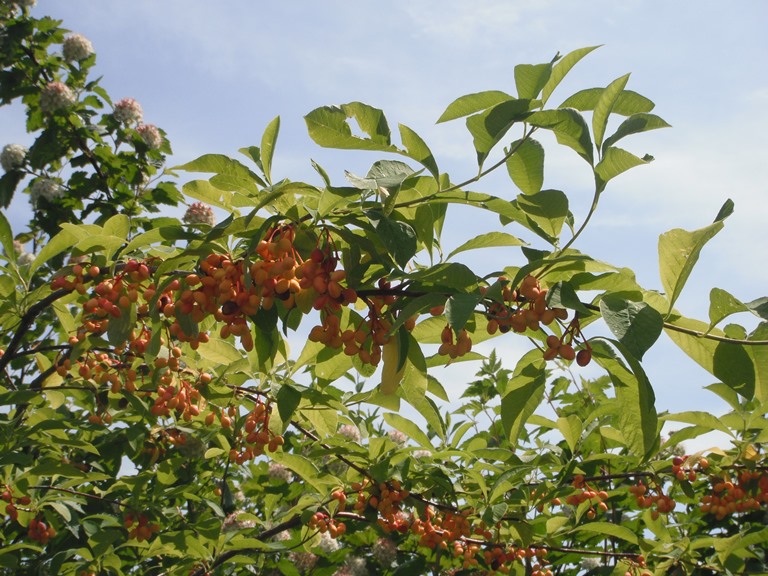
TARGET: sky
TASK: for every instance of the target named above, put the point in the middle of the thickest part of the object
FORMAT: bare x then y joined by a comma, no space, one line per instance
213,78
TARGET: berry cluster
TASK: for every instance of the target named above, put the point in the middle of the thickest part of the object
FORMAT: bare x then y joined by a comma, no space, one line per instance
563,346
749,492
521,309
325,524
139,526
587,494
12,503
457,348
661,503
39,531
254,437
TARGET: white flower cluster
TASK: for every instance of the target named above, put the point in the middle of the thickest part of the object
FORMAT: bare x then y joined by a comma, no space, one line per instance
590,563
128,111
199,213
13,156
397,437
385,551
350,432
44,188
353,566
56,96
328,544
280,472
76,47
232,523
421,454
23,258
304,561
151,135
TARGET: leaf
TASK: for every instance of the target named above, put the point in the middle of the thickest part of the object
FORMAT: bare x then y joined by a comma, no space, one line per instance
722,304
526,165
268,140
489,127
635,124
628,102
237,174
417,149
398,237
525,391
614,162
407,427
704,419
562,295
471,103
547,211
63,240
678,253
561,69
569,128
328,127
570,427
488,240
636,324
609,529
531,78
204,191
635,412
394,357
742,368
118,225
459,309
6,236
604,107
288,399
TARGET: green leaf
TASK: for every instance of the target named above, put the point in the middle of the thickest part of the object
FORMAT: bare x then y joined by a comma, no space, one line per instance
636,324
569,128
628,102
561,69
489,127
417,149
459,309
488,240
635,124
742,368
526,165
531,78
635,412
237,175
206,192
546,211
398,237
614,162
570,427
62,241
268,140
722,304
118,225
119,329
6,236
220,352
562,295
704,419
609,529
471,103
678,253
407,427
604,107
525,391
329,128
288,399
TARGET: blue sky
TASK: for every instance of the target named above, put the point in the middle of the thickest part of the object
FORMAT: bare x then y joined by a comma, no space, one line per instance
213,77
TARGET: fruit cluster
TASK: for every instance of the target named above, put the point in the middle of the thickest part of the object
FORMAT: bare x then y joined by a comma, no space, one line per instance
747,493
563,346
652,497
139,526
323,523
39,531
521,309
587,494
457,348
12,503
254,437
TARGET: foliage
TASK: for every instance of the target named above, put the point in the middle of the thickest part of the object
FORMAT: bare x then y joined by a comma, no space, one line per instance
155,421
